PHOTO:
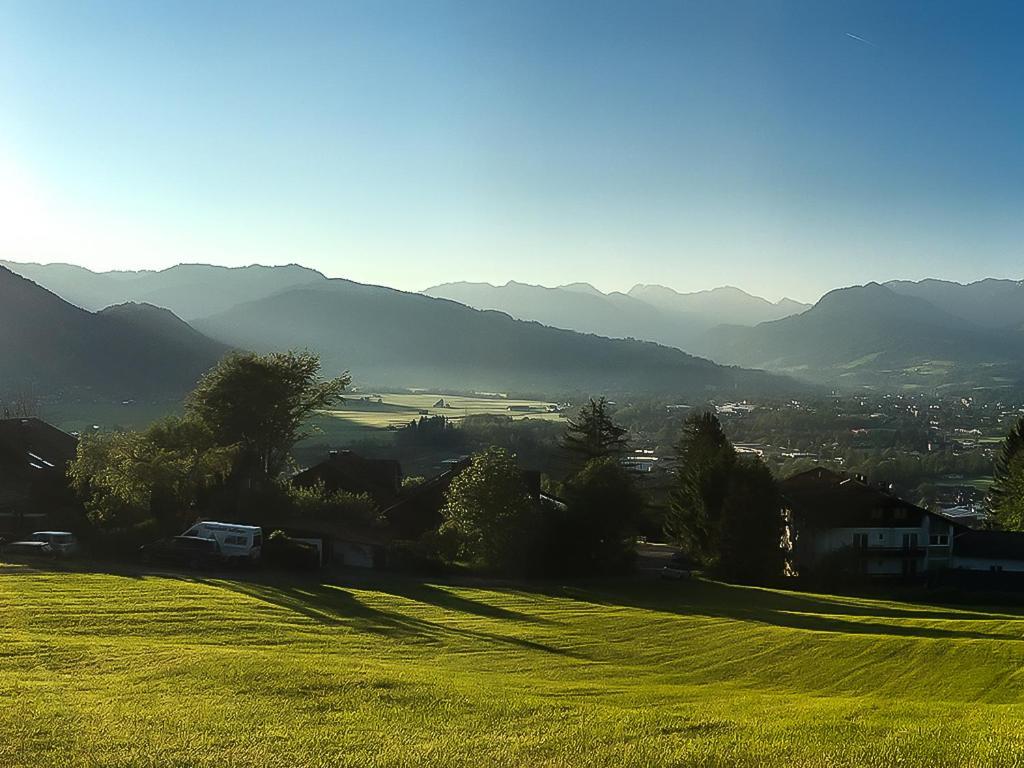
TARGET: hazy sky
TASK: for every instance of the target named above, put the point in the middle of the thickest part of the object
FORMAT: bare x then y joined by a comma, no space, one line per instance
783,147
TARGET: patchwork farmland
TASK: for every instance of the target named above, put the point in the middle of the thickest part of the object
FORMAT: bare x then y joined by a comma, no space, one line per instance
381,411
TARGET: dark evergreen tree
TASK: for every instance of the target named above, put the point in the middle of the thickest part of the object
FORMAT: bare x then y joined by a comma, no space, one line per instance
751,525
1007,495
593,533
593,434
705,462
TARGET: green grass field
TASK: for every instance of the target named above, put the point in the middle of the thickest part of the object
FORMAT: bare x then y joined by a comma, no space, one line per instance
113,670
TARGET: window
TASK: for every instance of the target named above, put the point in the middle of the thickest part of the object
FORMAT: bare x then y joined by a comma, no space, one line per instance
938,539
236,541
860,540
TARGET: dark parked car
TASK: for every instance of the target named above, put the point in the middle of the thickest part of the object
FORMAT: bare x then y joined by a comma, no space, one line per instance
63,543
190,551
30,548
281,551
680,566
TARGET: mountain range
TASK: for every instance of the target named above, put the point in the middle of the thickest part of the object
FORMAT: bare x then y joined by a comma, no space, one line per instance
891,336
49,346
649,312
388,336
987,303
384,336
187,290
926,334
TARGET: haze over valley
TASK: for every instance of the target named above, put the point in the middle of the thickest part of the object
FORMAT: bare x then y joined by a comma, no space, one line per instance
919,336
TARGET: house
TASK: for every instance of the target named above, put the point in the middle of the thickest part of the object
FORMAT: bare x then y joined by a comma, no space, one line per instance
348,471
419,510
835,516
989,551
34,490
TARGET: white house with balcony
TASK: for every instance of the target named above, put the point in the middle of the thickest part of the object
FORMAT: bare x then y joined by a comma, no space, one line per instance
835,517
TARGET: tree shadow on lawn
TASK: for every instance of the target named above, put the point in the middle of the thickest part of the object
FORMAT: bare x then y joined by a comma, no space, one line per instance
332,605
787,609
431,594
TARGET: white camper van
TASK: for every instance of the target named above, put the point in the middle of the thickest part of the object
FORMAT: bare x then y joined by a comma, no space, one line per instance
234,540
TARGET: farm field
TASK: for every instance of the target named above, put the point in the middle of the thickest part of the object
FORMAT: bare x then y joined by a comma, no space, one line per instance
396,410
355,421
152,670
82,417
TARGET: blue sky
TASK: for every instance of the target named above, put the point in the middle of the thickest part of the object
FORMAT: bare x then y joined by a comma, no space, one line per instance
785,147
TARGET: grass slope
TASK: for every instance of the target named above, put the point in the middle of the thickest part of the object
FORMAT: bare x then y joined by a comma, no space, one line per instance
108,670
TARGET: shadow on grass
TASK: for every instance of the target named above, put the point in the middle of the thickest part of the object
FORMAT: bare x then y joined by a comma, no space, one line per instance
790,609
333,605
439,597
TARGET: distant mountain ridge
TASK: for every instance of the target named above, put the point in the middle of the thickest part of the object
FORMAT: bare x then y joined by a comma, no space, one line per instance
383,335
929,333
990,303
49,346
718,306
873,335
648,312
187,290
579,307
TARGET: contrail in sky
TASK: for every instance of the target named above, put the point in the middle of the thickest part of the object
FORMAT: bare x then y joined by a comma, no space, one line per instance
858,37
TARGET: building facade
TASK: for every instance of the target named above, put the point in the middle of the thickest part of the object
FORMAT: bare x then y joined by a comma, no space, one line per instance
841,521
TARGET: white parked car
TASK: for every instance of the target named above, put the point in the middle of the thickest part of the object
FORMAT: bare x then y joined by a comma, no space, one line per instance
236,541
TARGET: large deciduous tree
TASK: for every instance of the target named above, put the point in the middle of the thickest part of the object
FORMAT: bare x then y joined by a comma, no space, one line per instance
489,511
260,404
130,479
592,434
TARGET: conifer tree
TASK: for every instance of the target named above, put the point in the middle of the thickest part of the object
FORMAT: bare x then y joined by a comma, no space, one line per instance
593,434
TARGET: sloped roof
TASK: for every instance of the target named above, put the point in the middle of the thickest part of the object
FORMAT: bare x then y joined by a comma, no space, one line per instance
822,498
348,471
32,443
419,510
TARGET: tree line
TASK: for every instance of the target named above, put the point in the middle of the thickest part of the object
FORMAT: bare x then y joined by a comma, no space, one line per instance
226,454
230,453
725,512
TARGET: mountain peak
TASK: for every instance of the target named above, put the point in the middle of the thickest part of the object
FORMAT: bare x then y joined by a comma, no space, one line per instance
581,288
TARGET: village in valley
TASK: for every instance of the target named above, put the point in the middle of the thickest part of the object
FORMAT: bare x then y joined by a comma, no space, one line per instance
910,472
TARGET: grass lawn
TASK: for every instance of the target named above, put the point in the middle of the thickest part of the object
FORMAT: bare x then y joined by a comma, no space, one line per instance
101,669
